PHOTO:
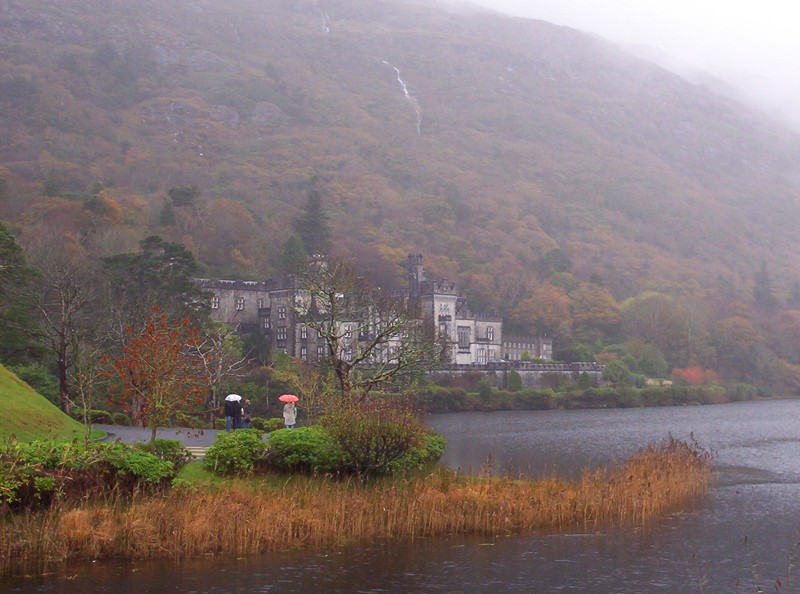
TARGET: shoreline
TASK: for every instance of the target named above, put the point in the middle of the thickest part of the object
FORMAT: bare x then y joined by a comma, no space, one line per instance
186,521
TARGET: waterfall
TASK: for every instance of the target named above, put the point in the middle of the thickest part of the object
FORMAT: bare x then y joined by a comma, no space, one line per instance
409,96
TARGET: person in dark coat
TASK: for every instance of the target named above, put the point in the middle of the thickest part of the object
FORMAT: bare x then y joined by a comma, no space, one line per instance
233,414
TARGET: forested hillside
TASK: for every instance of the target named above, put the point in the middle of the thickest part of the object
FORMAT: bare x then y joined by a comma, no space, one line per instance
571,187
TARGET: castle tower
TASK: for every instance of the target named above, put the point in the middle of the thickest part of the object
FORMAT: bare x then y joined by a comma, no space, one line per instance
416,274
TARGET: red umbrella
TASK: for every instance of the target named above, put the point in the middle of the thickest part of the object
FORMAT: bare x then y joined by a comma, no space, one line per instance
288,398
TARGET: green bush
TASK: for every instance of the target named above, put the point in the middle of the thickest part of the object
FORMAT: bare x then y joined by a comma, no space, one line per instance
305,449
267,425
241,452
37,473
170,450
373,433
98,417
430,451
219,424
121,419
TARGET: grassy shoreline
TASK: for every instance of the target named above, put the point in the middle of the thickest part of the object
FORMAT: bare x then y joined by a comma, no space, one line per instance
245,517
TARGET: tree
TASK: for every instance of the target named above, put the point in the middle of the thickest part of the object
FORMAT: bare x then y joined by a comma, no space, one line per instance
556,260
617,373
293,256
161,274
595,312
220,351
15,310
762,291
312,224
371,337
543,310
738,345
62,297
157,374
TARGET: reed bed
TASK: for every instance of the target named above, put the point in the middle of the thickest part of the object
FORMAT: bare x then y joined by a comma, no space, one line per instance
323,513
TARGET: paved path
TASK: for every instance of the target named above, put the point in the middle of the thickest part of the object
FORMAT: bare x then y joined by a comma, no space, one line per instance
196,441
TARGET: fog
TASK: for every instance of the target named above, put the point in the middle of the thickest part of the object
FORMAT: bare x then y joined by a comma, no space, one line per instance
751,46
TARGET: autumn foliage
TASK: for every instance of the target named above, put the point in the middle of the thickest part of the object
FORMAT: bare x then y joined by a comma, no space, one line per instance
695,376
156,375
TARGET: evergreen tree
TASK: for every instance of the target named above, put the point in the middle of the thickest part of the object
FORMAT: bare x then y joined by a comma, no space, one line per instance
15,309
312,225
762,292
293,257
160,275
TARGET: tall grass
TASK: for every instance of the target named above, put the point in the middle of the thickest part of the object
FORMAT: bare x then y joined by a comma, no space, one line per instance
306,512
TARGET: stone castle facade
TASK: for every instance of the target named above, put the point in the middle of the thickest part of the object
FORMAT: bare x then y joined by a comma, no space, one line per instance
268,307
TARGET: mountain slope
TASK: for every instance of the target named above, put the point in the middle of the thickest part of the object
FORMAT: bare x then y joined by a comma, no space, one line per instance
480,140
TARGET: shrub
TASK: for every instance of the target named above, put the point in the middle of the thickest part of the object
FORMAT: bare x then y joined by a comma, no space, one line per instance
240,452
431,449
305,449
219,424
514,381
267,425
121,419
373,433
36,473
170,450
99,417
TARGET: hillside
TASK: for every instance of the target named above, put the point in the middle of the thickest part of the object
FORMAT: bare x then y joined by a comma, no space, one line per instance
28,416
482,141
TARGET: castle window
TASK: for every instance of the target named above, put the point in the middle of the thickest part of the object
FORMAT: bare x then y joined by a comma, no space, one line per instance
282,313
348,331
490,333
260,303
215,302
303,352
240,304
303,332
463,337
482,356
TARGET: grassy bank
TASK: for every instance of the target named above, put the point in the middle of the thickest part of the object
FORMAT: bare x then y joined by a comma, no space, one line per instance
28,416
236,517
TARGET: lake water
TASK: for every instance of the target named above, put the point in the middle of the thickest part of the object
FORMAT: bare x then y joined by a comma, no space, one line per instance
741,537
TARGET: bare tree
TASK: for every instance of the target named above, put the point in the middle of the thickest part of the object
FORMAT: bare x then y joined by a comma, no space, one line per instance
372,338
85,375
220,351
62,296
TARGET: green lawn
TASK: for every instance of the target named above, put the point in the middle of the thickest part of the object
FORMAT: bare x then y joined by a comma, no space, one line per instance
28,416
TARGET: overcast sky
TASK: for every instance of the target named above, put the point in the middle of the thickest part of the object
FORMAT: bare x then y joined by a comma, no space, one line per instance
754,45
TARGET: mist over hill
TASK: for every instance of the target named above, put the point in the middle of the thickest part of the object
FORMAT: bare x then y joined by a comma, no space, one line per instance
482,141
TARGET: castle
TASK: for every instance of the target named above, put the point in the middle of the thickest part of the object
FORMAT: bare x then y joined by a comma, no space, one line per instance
268,307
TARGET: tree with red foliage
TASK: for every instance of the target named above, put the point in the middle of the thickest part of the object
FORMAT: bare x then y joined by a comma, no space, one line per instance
695,376
157,374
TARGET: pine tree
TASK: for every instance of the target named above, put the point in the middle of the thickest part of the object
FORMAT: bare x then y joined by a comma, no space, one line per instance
312,225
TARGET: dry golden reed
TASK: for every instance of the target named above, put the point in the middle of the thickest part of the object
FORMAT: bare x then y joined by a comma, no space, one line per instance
322,513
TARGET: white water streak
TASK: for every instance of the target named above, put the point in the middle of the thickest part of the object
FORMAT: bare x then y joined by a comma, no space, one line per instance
324,18
410,97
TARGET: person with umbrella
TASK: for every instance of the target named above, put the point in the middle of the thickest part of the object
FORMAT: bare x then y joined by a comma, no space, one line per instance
289,409
233,412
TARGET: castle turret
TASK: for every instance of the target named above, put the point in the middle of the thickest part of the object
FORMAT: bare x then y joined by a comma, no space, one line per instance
416,274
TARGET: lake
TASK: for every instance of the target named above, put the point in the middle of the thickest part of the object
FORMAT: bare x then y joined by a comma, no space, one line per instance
743,536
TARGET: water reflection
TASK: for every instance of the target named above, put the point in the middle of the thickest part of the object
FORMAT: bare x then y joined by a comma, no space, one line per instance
737,539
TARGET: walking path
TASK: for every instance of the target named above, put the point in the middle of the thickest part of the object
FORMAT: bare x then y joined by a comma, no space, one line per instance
196,441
